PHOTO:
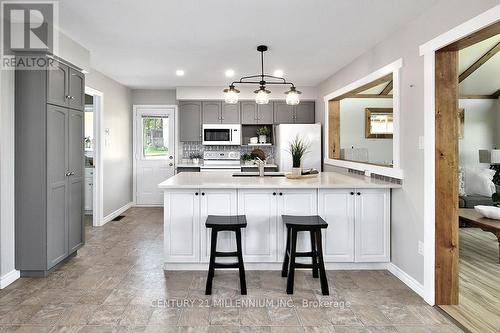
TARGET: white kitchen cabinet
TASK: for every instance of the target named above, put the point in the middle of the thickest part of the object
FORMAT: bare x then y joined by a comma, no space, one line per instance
259,240
89,189
217,202
372,225
296,202
182,225
336,207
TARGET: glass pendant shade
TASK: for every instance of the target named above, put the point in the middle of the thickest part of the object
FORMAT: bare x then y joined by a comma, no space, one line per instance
262,97
292,96
231,95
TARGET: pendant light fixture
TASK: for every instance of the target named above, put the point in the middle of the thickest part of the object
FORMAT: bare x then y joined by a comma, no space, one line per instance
262,94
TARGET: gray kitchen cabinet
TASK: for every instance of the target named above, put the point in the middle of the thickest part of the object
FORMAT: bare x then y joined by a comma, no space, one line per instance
283,113
303,113
49,164
189,121
65,86
76,89
253,113
230,113
57,85
212,112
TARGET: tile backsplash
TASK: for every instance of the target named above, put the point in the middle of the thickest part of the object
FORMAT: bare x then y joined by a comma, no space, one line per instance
188,148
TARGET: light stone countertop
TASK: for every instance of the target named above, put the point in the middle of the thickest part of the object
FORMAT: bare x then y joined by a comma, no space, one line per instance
192,165
226,180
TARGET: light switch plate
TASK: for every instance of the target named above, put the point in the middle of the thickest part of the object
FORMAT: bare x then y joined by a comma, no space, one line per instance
421,142
421,248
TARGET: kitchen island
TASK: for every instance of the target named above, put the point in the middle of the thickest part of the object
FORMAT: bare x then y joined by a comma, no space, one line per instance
357,209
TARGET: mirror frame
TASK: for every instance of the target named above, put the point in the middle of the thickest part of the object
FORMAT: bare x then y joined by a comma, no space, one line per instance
332,123
368,124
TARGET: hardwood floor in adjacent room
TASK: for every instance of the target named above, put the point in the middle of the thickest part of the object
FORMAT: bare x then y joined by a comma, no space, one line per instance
116,283
479,290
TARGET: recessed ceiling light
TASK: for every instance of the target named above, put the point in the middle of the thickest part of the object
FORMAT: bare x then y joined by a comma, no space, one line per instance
179,72
229,73
278,72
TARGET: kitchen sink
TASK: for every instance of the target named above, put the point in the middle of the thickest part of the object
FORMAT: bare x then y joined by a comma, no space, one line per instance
256,174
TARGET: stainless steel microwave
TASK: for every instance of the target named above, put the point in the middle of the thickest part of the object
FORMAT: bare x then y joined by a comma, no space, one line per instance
222,134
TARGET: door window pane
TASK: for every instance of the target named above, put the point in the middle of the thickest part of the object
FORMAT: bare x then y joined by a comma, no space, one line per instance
155,136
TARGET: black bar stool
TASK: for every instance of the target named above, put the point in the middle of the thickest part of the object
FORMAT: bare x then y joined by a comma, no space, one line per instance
313,224
226,223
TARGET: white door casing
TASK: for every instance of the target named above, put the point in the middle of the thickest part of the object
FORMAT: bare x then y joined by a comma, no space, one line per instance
152,164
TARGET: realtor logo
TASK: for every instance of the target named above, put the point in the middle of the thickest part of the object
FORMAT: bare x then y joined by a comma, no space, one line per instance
27,33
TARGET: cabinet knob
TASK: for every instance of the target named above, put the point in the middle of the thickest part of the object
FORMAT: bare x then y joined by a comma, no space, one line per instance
67,96
359,193
352,193
69,174
195,193
202,193
170,164
274,193
281,193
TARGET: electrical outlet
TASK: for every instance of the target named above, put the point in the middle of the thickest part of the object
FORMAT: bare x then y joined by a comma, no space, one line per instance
421,248
421,143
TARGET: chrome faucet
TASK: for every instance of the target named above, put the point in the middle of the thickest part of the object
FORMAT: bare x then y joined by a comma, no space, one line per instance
261,165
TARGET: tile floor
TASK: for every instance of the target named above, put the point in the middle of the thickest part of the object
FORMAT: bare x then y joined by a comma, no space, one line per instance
116,284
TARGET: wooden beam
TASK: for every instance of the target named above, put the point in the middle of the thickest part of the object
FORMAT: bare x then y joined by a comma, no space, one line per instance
478,97
496,94
334,129
474,67
446,264
369,96
367,86
474,38
387,89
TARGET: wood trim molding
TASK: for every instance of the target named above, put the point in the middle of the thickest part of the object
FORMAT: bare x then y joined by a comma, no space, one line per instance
387,89
367,86
369,96
474,38
368,113
481,61
496,94
446,185
478,97
334,129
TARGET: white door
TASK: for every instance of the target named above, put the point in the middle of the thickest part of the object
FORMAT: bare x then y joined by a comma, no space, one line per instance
260,237
154,152
217,202
372,225
336,207
300,202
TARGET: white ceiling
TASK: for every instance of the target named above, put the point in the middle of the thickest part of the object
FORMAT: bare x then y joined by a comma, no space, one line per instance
486,79
142,43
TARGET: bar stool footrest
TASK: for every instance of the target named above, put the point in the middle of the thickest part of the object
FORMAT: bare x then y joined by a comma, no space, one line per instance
301,265
226,254
226,265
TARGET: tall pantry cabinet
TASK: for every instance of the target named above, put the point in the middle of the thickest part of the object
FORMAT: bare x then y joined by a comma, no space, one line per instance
49,166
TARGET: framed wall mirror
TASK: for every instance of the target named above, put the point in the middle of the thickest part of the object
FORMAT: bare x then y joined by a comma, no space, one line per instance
363,125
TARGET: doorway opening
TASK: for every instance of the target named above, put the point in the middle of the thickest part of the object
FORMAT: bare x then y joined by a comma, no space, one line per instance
472,304
93,143
154,152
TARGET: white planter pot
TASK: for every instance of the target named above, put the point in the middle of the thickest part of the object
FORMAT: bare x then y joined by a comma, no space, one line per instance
262,138
196,161
296,171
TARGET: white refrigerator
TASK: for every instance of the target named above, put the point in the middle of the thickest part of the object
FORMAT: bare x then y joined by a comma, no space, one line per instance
310,133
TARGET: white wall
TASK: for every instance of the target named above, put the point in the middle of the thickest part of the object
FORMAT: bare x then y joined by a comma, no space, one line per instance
117,154
407,226
480,129
352,128
497,128
246,92
158,97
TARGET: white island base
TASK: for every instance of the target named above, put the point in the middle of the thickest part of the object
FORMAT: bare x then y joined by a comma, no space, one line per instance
356,208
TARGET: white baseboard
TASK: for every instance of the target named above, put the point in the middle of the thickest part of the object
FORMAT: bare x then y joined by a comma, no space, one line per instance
276,266
406,279
116,213
9,278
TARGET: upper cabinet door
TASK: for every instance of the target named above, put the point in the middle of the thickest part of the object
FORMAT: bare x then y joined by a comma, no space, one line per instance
189,121
230,113
76,91
304,113
212,112
265,113
248,113
57,84
283,113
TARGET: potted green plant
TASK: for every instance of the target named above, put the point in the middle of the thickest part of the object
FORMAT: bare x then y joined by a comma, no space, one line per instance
247,159
263,132
298,148
195,157
496,199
